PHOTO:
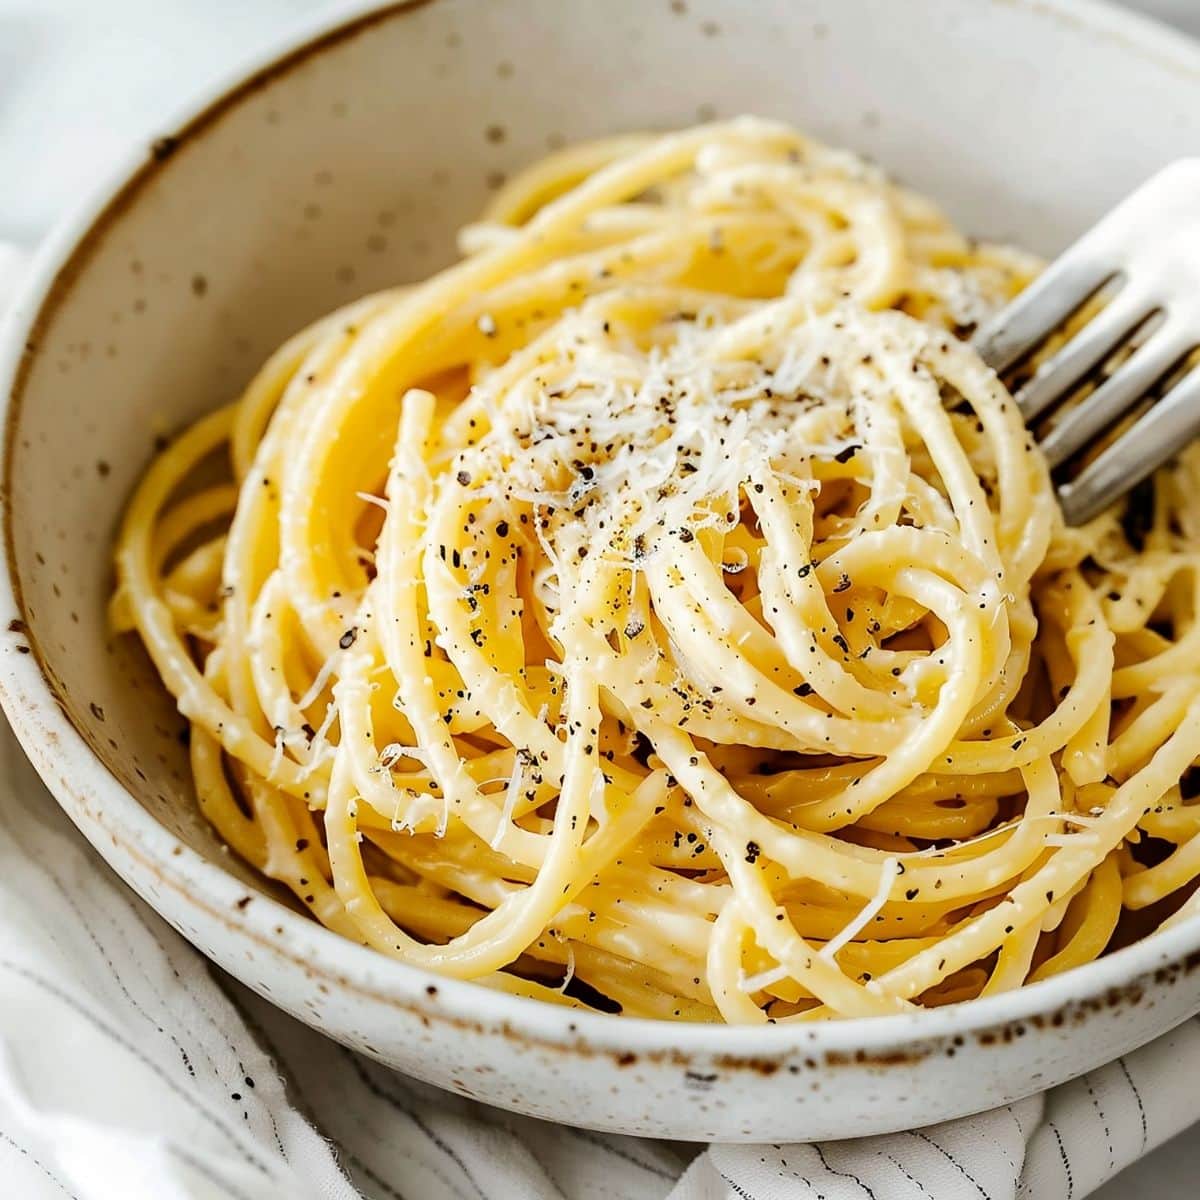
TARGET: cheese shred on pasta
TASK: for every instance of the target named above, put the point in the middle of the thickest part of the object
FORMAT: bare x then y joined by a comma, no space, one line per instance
664,610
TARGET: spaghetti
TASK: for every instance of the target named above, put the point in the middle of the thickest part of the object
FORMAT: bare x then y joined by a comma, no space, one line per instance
664,610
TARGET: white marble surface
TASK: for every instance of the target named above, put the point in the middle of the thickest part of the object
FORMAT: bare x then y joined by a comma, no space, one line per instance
80,78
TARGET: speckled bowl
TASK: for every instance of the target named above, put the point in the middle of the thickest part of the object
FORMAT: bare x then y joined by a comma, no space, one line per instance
343,162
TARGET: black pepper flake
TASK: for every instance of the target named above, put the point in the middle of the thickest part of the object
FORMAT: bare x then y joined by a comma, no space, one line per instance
753,850
463,477
643,747
347,638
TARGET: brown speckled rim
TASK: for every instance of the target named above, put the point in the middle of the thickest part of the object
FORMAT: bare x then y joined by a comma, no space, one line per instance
121,829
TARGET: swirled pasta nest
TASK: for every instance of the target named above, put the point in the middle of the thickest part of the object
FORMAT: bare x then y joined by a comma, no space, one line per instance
664,610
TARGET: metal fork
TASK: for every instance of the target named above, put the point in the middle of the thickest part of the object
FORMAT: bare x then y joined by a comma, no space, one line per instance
1148,248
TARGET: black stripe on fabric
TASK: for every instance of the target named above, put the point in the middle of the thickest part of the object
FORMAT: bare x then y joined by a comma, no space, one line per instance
593,1139
911,1178
918,1133
138,910
202,1168
1008,1158
1012,1112
26,856
1112,1156
130,903
265,1047
736,1188
360,1168
126,1045
1138,1097
81,917
305,1106
41,1166
135,907
841,1174
808,1183
1066,1162
383,1094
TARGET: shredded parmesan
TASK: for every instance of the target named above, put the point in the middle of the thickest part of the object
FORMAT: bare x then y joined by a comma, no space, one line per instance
889,872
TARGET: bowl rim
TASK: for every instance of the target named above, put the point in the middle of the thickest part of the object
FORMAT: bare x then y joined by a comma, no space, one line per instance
97,801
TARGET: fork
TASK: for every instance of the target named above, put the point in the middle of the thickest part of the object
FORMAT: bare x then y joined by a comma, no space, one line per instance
1148,249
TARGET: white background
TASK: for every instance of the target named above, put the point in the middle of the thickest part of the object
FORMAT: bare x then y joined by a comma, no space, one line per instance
79,79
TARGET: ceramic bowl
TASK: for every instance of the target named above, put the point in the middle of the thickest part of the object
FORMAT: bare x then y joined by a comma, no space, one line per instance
343,161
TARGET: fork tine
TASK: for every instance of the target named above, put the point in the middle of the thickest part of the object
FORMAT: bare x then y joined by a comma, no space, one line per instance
1164,201
1116,394
1157,436
1086,350
1041,307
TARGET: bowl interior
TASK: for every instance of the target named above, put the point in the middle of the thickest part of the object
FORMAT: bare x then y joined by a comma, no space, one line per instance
349,165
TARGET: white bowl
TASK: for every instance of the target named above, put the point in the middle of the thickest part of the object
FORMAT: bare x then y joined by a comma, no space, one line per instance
343,162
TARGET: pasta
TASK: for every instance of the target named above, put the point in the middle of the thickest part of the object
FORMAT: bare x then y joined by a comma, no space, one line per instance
664,610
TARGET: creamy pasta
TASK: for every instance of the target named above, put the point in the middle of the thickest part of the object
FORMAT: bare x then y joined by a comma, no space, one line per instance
664,610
